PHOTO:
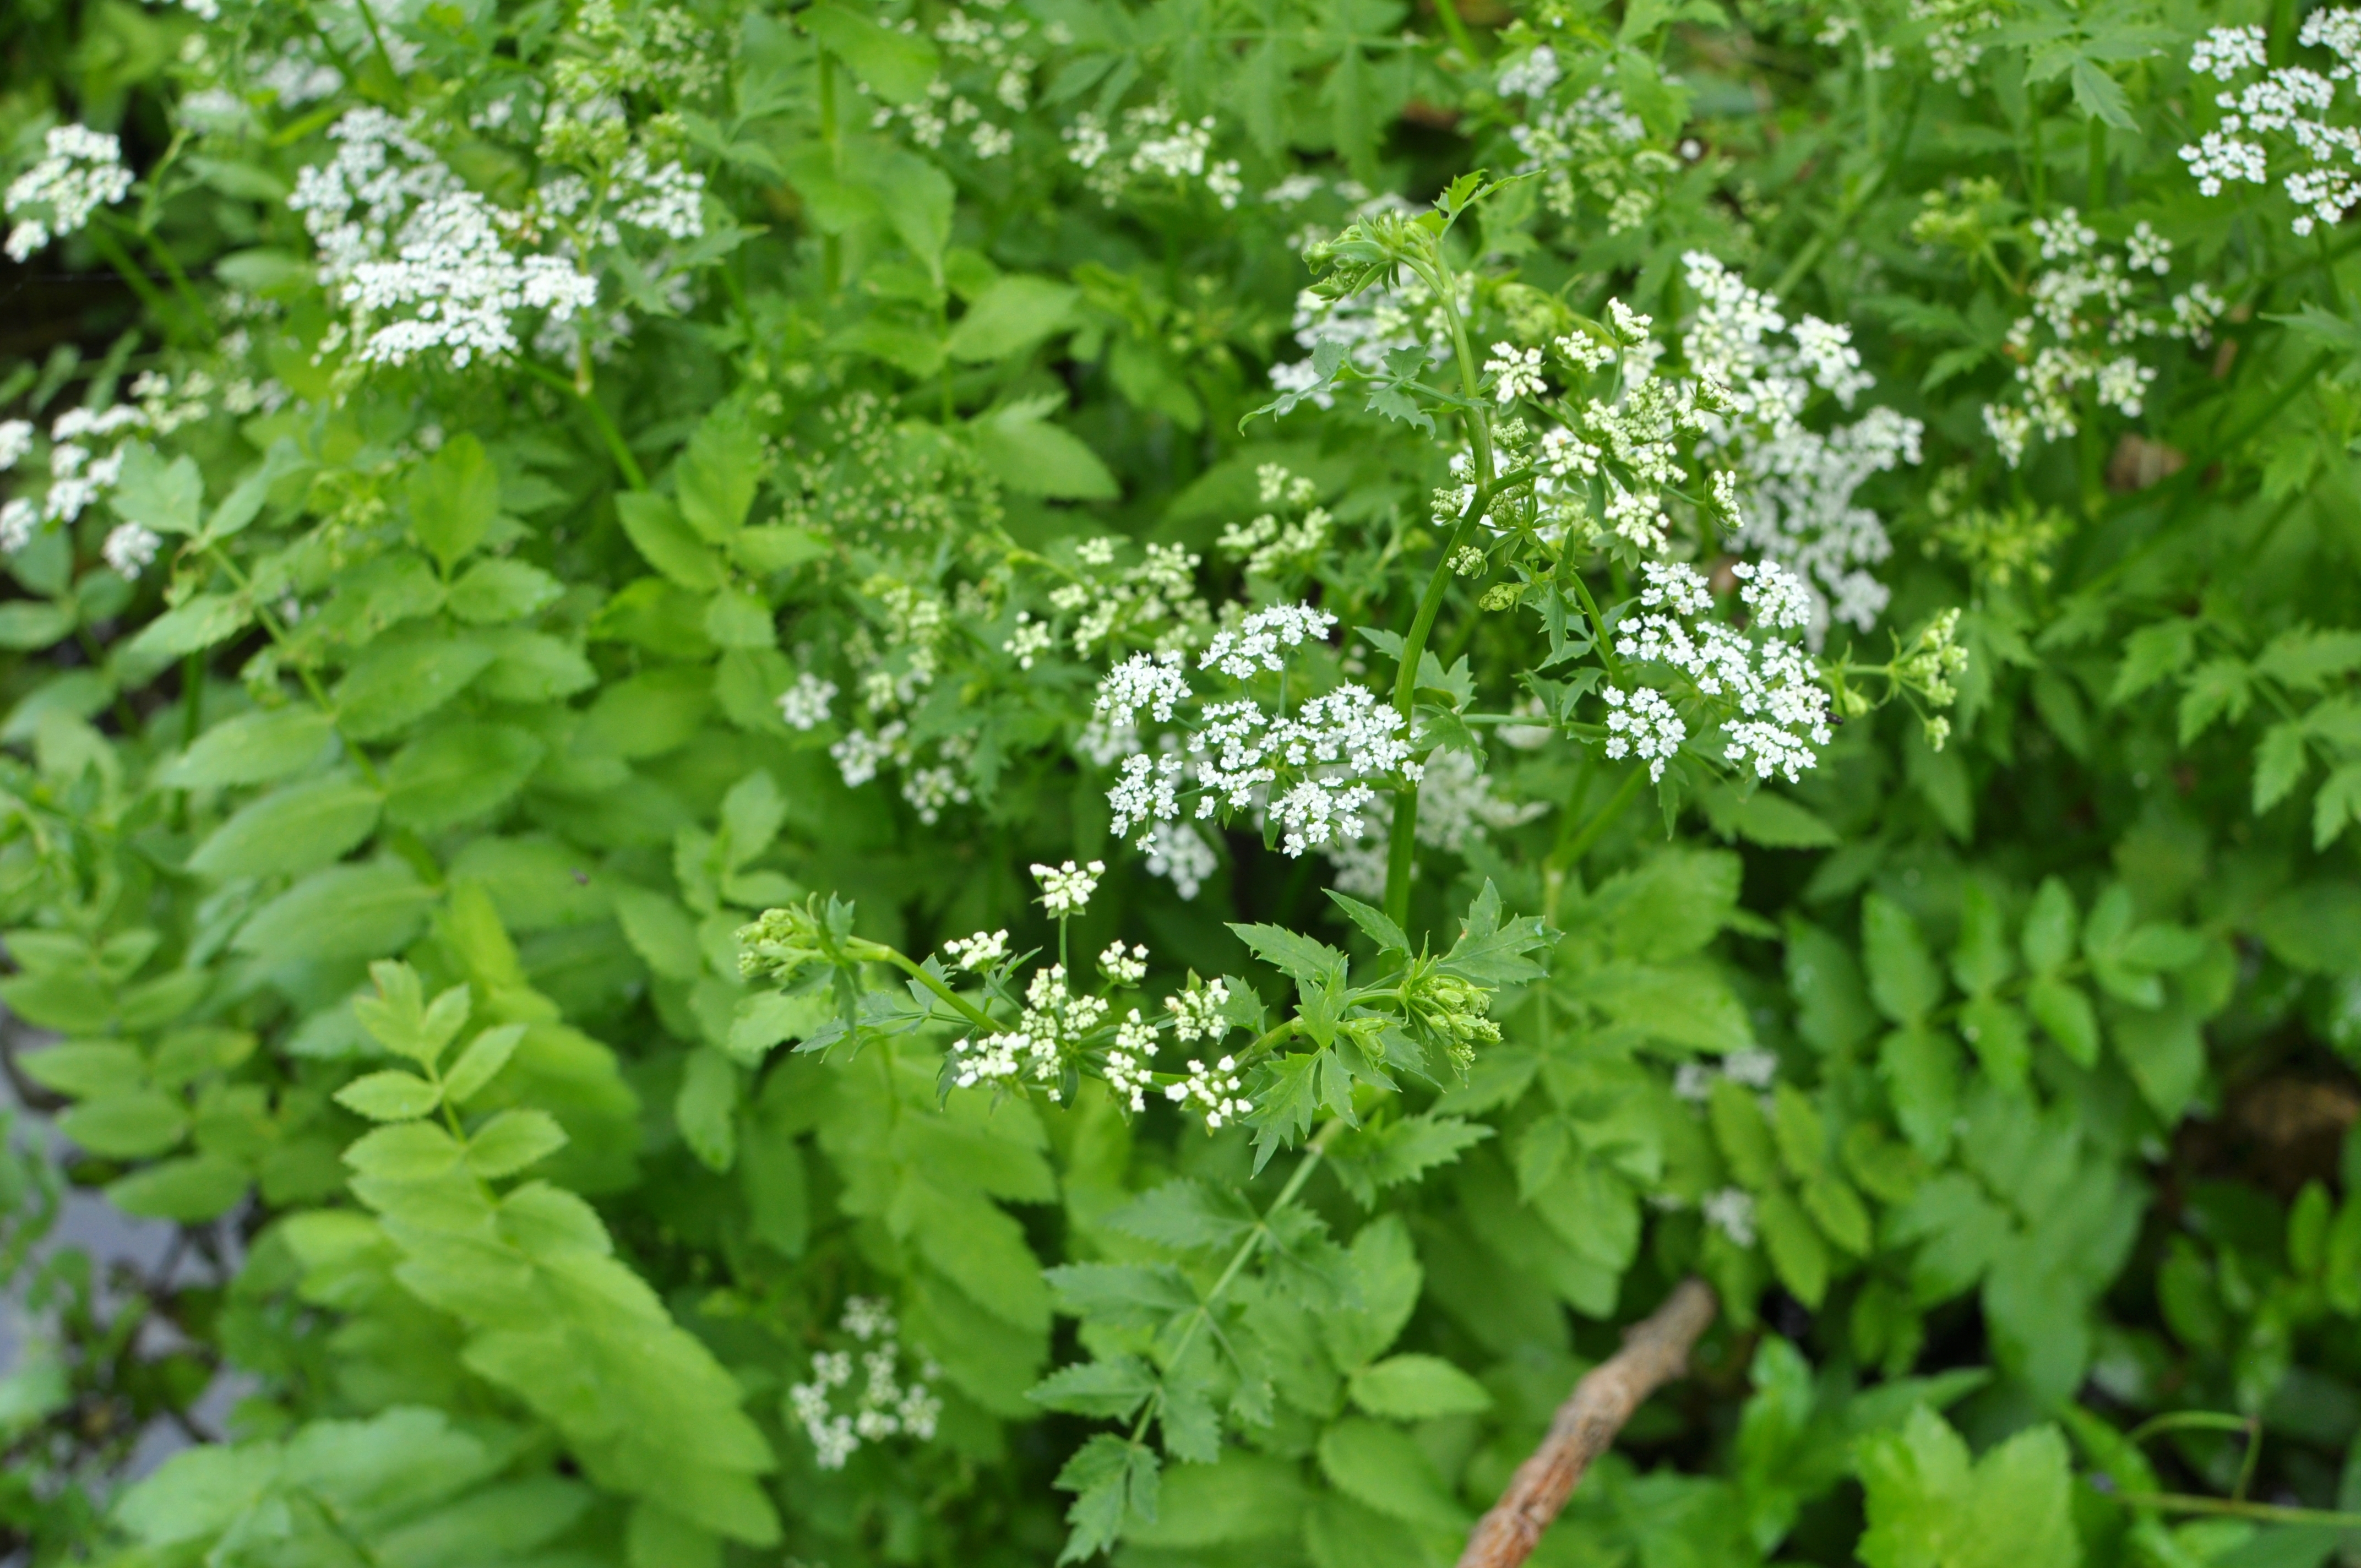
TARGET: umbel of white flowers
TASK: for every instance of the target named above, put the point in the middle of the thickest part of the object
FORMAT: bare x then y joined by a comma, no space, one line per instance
1312,773
82,172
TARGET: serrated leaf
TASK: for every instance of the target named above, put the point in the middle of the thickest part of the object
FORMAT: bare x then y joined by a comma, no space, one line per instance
1903,979
513,1140
1415,1387
1110,1390
390,1096
1186,1215
481,1062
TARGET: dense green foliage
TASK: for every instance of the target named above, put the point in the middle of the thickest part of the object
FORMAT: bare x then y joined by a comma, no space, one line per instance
1547,647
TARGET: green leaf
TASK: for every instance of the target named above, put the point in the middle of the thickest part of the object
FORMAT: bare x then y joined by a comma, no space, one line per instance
894,65
1921,1069
166,497
2065,1014
457,772
390,1096
1983,959
402,679
665,540
1034,457
2278,764
511,1141
2100,95
1797,1254
191,1190
136,1124
1383,1469
659,930
344,912
1903,979
2050,928
1929,1506
705,1109
917,199
454,496
1997,1032
1115,1482
25,623
401,1020
1185,1216
1014,313
717,476
1417,1387
85,1068
481,1062
200,621
294,828
1374,923
253,748
1313,965
492,592
1110,1390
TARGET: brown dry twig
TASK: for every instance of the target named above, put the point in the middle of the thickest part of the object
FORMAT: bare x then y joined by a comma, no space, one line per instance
1655,1350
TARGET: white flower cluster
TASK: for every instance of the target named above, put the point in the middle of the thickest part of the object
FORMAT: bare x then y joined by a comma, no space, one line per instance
1154,602
1000,51
2289,110
980,952
1067,889
85,461
1797,485
1954,36
891,1403
1268,547
1059,1032
401,236
1216,1091
2089,311
1312,774
1776,712
82,171
1162,145
1731,1211
1529,76
805,704
1642,723
1514,373
1749,1068
1592,147
1050,1031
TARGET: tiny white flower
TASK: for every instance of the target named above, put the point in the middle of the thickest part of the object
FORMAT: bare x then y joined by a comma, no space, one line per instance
129,548
1067,889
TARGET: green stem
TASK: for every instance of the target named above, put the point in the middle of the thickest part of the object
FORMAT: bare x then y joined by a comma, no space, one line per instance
634,474
880,952
1571,851
2269,1513
111,251
1455,28
831,247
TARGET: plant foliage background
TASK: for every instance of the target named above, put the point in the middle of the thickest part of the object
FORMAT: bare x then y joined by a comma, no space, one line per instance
984,783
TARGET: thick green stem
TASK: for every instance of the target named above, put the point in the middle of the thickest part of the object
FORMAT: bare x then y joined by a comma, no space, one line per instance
634,474
917,971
